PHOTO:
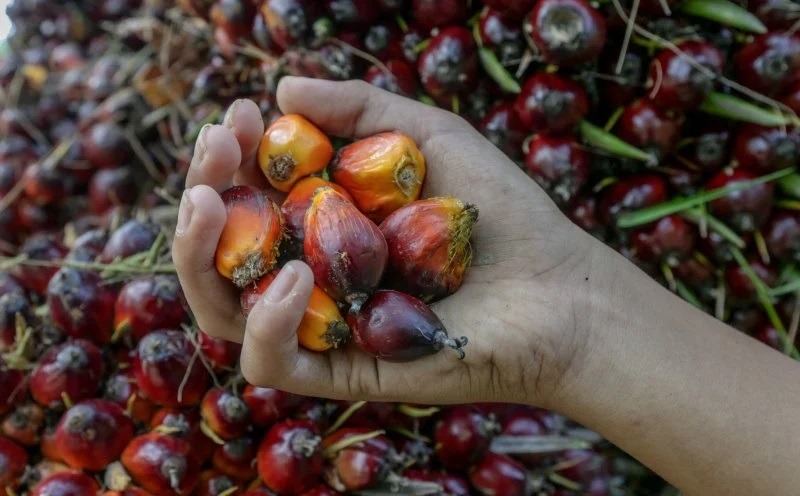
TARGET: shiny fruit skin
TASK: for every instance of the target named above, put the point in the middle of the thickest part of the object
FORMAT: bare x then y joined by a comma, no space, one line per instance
112,187
105,146
121,389
13,462
741,286
766,149
646,126
82,304
268,406
92,434
345,250
225,413
162,361
88,246
448,67
221,354
360,465
439,13
670,238
631,193
559,165
782,235
74,368
747,209
504,129
549,103
499,474
566,32
236,458
291,149
503,36
161,464
397,327
399,77
296,203
249,243
676,84
769,63
132,237
149,303
44,248
461,437
289,461
428,242
322,326
67,484
289,21
382,173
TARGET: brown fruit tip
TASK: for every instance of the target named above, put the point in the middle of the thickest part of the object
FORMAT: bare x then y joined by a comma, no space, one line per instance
338,333
456,344
280,168
253,268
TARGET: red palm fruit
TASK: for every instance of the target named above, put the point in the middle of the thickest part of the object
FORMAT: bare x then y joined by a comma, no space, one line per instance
82,304
583,466
13,462
42,248
321,490
549,103
161,464
130,238
213,483
345,250
382,173
448,67
290,21
766,149
782,235
355,14
559,165
234,17
676,82
225,413
499,474
501,35
46,185
166,372
451,484
632,193
13,306
384,40
184,424
13,388
24,424
267,406
249,243
436,14
511,9
112,187
650,128
48,445
122,389
768,64
396,75
67,484
746,209
397,327
130,491
237,458
74,368
739,283
462,436
504,129
566,32
359,463
289,459
149,303
221,354
105,146
92,434
88,246
298,200
428,242
668,239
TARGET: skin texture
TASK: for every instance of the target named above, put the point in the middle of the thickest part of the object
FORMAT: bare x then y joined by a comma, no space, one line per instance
564,322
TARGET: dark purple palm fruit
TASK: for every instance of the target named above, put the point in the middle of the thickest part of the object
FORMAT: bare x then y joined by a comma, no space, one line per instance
777,15
549,103
620,88
501,35
766,149
681,81
511,9
448,67
353,14
669,240
384,40
744,210
631,193
769,63
566,33
397,76
709,147
504,129
782,235
559,165
650,128
439,13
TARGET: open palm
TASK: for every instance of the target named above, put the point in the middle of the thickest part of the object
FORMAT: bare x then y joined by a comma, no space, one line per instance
519,305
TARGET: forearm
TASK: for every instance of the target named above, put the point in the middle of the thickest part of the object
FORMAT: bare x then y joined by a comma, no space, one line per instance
709,409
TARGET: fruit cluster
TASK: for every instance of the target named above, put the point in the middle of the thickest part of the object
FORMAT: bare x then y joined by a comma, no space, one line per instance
421,246
666,128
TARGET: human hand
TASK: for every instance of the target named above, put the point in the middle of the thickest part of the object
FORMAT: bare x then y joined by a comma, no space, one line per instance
521,304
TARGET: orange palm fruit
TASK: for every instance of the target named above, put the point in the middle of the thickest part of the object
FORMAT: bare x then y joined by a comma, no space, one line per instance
249,244
291,149
298,200
345,250
382,173
322,327
429,249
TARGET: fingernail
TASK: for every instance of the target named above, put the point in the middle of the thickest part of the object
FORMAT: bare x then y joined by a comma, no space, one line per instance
282,285
184,213
228,122
202,146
